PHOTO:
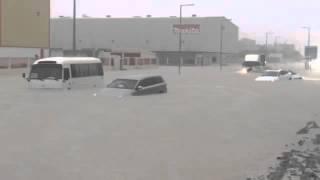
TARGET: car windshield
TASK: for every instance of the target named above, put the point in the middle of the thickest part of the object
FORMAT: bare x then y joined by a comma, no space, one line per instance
271,73
123,84
46,71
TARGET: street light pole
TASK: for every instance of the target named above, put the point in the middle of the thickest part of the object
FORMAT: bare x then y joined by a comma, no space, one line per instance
74,40
180,35
308,58
267,39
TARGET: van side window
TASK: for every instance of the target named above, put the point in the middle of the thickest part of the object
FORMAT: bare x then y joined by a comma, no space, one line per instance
86,70
95,69
79,70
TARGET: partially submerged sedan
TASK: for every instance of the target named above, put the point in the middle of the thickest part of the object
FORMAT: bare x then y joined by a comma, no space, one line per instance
138,85
275,75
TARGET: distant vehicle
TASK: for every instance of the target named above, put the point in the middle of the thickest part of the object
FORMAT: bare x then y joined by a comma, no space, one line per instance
275,75
254,63
294,76
139,85
63,72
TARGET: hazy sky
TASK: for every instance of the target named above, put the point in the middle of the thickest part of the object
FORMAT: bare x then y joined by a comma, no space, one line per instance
254,17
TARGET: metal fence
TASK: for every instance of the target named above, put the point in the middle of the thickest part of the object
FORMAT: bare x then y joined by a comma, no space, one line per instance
12,63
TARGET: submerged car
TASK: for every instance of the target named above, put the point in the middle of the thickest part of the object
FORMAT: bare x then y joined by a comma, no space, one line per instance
138,85
275,75
295,76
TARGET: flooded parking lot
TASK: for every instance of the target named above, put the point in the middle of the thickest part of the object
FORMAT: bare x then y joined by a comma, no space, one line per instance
210,125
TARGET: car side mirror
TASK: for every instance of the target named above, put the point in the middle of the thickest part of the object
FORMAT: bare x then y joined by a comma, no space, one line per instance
23,75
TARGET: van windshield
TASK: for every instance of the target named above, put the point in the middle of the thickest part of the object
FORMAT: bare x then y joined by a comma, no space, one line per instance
46,71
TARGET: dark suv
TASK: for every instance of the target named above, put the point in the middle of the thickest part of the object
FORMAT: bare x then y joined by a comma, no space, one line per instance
138,85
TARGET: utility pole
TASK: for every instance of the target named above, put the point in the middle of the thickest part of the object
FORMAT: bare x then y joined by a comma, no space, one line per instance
74,40
180,35
180,39
309,36
221,45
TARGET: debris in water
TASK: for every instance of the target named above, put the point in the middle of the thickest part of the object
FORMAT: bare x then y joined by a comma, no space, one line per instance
301,162
308,127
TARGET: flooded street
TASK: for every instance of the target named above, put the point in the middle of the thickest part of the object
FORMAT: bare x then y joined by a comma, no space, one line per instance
210,125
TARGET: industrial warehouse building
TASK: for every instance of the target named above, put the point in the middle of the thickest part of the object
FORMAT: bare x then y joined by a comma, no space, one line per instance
202,39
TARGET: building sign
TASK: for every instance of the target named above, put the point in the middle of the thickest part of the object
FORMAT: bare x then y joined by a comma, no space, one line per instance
186,28
311,52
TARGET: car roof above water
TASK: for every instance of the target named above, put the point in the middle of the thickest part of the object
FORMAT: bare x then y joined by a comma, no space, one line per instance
139,77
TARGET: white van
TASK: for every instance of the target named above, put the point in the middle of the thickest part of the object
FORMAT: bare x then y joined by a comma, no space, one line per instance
65,72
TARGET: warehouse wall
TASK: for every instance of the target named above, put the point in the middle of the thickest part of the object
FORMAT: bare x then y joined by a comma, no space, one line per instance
155,34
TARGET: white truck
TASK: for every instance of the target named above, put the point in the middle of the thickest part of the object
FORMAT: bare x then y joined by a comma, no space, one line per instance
254,63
